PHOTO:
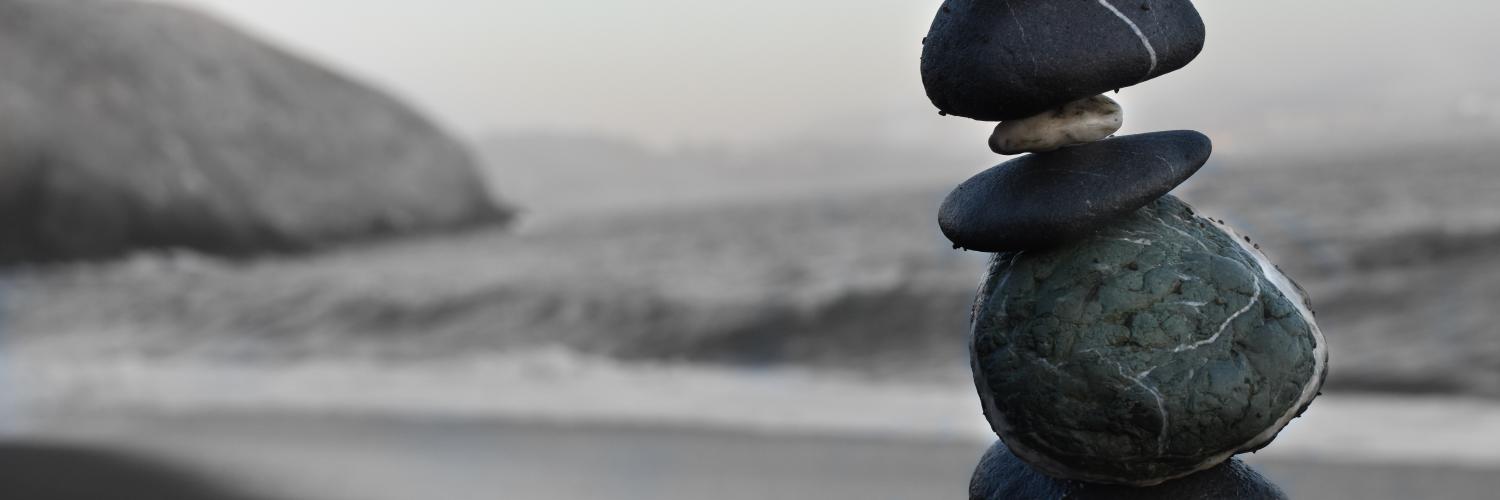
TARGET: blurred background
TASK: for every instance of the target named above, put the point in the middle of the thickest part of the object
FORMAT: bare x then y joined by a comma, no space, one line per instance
363,250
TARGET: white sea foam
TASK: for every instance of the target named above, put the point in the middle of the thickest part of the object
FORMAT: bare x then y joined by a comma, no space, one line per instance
555,385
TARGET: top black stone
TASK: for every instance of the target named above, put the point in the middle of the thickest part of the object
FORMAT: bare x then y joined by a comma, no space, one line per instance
1046,199
999,60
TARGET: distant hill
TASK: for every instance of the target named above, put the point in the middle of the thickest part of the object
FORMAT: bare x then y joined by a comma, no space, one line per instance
127,126
557,174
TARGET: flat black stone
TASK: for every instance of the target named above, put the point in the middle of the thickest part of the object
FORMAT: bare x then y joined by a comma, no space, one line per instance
999,60
1045,199
1002,476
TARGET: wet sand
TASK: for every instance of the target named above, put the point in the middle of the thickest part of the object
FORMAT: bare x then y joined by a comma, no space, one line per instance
366,458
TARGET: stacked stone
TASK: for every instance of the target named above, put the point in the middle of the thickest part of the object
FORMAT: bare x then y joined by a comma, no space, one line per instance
1124,346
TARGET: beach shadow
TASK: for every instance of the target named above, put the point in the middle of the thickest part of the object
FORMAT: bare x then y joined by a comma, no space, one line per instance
38,471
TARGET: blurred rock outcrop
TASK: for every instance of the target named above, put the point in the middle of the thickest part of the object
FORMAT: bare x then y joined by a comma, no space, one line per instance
128,126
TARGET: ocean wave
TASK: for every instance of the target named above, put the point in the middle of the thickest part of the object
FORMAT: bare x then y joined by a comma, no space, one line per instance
832,283
560,387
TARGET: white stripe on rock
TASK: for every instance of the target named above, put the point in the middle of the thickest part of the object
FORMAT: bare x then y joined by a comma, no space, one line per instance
1137,29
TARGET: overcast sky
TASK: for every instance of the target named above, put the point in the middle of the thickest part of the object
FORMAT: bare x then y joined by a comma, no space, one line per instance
749,71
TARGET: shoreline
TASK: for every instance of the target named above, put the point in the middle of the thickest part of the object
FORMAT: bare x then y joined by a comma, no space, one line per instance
559,390
331,457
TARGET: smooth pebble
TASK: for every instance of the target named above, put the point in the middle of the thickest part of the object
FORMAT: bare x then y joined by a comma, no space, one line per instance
1078,122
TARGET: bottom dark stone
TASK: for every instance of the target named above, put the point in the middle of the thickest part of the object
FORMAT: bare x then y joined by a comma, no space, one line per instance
1002,476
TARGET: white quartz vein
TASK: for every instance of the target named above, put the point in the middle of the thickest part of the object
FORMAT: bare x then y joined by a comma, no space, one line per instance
1172,167
1035,68
1054,367
1223,327
1166,35
1000,288
1161,403
1190,237
1137,29
1083,172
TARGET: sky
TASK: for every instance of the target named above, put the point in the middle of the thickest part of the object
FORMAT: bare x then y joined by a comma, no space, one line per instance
672,72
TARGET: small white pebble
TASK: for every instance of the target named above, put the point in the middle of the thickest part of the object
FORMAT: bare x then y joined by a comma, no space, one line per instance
1078,122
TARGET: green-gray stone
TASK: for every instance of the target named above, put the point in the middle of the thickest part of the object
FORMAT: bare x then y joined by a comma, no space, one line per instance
1158,347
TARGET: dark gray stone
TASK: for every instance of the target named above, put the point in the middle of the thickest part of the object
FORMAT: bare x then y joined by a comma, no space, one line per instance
1156,348
127,126
1005,59
1047,199
1003,476
57,471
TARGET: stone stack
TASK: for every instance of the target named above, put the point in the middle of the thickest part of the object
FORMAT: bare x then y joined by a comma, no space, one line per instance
1124,345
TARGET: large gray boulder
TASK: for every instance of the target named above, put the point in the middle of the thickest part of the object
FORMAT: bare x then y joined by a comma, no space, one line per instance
129,126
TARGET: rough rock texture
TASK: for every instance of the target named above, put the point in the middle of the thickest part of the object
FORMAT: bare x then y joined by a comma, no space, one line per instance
127,126
1078,122
1047,199
1159,347
999,60
1002,476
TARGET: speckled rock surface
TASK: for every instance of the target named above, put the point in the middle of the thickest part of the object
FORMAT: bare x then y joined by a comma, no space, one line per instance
1046,199
1078,122
1003,476
999,60
1158,347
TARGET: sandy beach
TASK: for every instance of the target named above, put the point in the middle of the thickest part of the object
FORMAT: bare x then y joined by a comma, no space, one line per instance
369,458
556,427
